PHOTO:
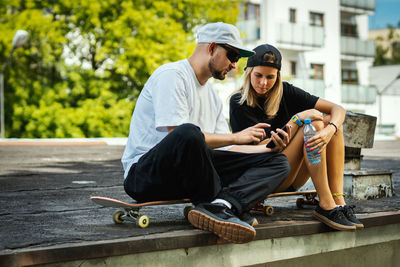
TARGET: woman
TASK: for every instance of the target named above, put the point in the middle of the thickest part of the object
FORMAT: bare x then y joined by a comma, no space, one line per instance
265,98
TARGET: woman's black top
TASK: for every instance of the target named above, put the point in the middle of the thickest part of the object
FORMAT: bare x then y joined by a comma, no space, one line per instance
294,100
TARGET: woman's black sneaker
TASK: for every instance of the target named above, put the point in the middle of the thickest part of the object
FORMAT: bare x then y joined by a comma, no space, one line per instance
348,211
220,220
333,218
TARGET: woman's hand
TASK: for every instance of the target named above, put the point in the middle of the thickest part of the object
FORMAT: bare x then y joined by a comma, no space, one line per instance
311,114
280,143
321,139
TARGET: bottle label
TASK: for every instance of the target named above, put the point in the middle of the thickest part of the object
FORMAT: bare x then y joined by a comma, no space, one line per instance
312,156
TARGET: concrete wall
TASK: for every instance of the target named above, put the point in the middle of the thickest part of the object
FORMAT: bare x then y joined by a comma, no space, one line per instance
375,246
382,254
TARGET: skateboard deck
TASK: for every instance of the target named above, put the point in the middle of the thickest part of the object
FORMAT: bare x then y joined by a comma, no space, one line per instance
308,198
131,211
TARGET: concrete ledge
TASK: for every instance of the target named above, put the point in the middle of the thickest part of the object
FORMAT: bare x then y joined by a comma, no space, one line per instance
368,183
118,141
186,241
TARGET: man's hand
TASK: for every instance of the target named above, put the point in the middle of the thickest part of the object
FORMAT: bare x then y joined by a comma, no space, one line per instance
252,135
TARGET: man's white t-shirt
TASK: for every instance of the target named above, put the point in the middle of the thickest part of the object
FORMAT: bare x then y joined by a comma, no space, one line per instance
172,96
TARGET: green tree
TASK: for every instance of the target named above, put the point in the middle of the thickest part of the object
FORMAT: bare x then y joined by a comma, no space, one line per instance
87,60
388,47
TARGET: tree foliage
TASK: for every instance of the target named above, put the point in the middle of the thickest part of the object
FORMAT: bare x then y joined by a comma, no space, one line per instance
86,60
388,47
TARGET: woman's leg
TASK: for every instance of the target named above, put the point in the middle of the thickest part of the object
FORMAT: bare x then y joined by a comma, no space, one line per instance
295,152
302,176
335,163
326,212
319,176
295,157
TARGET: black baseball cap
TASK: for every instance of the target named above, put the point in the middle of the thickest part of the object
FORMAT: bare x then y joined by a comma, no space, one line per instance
257,59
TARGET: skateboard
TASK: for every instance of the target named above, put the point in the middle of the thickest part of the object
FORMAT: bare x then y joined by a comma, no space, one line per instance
308,198
132,210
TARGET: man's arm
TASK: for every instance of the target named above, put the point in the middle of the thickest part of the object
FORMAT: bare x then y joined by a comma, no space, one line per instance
254,134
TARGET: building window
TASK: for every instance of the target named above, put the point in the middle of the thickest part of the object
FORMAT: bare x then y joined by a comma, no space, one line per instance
317,72
349,76
316,19
293,66
292,15
348,30
251,11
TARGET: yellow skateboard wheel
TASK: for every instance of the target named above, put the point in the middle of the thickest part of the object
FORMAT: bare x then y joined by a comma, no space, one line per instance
117,217
143,221
269,210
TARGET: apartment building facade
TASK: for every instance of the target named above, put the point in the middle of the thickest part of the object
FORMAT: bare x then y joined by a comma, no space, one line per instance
324,45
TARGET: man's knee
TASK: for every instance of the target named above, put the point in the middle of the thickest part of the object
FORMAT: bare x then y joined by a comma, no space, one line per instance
188,132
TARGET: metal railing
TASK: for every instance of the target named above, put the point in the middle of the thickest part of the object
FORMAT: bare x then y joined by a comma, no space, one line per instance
314,87
358,94
361,4
300,34
250,29
357,47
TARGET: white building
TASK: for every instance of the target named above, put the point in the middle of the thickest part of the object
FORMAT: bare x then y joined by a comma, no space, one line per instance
324,45
387,81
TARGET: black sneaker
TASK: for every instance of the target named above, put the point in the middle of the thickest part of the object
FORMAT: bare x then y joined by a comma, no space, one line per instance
348,211
333,218
220,220
247,218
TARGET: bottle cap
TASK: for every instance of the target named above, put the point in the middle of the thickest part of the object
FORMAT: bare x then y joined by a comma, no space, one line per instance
307,121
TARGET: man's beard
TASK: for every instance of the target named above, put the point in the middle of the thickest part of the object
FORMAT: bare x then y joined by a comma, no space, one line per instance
217,74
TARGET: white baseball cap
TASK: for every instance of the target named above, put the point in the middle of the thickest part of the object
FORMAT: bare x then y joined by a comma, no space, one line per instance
223,33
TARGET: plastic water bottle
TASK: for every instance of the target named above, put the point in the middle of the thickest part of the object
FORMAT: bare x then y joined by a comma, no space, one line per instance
309,131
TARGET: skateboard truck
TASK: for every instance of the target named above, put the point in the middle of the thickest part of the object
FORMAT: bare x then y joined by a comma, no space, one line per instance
308,198
131,211
131,215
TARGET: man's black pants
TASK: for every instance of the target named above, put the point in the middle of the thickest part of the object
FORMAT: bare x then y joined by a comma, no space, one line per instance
183,166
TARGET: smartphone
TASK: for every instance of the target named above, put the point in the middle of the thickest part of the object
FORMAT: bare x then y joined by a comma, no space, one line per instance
272,144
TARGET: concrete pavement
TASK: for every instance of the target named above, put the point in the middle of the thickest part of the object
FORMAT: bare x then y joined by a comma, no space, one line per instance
45,190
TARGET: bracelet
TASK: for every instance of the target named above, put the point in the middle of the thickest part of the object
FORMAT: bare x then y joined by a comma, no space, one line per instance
296,119
334,125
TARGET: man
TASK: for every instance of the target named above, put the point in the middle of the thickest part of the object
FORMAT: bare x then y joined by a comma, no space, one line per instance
176,126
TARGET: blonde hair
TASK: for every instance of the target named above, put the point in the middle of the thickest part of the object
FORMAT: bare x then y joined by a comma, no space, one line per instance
273,96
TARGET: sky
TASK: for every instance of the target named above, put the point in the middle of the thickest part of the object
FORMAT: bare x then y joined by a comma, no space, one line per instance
386,12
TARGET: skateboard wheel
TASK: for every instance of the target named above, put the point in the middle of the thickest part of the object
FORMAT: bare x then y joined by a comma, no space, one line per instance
269,210
143,221
186,211
300,203
117,217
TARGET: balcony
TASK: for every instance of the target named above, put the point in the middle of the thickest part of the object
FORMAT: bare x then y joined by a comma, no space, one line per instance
314,87
358,94
352,46
250,28
359,4
301,35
